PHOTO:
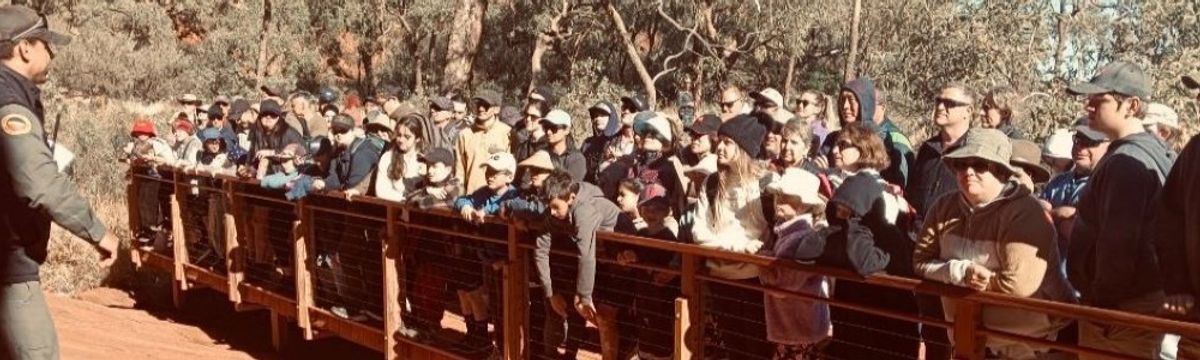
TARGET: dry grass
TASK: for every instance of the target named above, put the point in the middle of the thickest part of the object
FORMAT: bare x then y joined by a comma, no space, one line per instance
94,130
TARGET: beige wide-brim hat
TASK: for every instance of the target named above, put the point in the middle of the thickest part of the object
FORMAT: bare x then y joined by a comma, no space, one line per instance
539,160
799,183
990,145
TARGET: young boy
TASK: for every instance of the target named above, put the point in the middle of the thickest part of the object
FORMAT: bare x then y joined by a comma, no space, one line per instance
474,297
655,301
440,186
437,190
145,152
628,193
577,211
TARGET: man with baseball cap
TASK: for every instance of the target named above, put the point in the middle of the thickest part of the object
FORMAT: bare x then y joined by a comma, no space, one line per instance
1178,235
33,191
1111,259
565,157
770,101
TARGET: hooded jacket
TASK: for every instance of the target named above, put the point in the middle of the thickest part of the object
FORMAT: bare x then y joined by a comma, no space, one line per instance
590,213
1013,237
1112,245
593,148
1177,224
899,149
354,165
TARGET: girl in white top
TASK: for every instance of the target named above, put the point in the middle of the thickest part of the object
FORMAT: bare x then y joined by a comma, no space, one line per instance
399,170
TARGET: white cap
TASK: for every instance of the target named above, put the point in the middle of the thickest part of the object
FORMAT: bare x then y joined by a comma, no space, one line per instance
558,118
768,94
1161,114
1058,145
502,161
798,183
658,124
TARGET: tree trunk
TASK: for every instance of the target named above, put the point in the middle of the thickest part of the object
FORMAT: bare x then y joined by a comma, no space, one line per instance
634,58
535,67
789,79
260,71
465,34
852,58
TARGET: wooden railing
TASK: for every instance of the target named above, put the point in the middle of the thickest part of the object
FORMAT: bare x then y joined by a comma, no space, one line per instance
967,331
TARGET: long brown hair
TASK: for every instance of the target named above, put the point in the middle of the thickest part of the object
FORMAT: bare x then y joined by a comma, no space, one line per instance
874,155
744,170
412,122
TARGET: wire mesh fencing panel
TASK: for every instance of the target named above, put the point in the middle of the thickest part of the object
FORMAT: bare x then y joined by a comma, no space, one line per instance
266,225
454,283
154,189
203,207
348,252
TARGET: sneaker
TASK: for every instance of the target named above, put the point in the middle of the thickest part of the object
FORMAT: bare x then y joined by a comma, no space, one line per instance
340,312
371,315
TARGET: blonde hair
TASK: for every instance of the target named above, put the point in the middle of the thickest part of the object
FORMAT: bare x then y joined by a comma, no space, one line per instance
745,170
829,113
1007,101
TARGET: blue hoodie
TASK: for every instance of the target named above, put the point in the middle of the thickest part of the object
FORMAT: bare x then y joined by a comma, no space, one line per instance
899,148
593,147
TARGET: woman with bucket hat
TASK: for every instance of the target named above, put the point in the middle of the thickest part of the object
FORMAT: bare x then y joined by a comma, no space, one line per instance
993,235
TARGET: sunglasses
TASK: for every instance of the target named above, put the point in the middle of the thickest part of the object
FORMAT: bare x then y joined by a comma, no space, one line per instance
803,103
949,103
843,145
730,103
976,164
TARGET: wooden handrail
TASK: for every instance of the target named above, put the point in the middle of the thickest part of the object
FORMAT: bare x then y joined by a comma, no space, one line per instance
692,269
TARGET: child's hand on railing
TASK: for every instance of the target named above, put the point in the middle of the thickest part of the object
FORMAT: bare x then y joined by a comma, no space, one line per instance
558,305
627,257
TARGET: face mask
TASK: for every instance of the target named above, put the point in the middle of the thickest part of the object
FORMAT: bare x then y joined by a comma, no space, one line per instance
648,156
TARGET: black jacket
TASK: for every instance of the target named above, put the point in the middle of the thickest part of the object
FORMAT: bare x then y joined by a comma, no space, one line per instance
929,178
354,165
864,243
1112,256
33,193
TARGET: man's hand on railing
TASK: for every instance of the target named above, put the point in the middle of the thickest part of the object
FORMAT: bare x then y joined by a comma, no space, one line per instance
469,214
978,277
107,247
1178,304
350,194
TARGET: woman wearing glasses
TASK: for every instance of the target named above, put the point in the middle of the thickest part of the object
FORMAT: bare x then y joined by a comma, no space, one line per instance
867,234
992,235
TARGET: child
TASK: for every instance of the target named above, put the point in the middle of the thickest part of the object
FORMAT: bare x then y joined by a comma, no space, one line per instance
145,153
628,198
290,178
437,190
474,299
211,159
440,187
655,302
577,211
796,326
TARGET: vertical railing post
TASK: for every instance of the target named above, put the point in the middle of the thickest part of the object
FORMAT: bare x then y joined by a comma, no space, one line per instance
392,283
516,299
689,314
968,343
179,245
135,218
235,255
301,230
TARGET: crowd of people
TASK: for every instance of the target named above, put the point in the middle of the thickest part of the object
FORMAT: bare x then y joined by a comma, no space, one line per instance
1102,213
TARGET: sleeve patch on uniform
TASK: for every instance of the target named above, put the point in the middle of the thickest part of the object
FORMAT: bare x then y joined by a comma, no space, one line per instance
16,124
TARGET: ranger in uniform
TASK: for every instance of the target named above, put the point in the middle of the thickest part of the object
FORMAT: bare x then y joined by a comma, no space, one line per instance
33,193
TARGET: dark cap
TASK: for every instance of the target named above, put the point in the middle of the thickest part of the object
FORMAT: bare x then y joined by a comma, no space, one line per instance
510,115
1119,77
442,103
708,124
635,102
1083,129
490,97
215,112
544,94
269,107
20,22
237,108
438,155
1191,81
746,132
221,99
341,123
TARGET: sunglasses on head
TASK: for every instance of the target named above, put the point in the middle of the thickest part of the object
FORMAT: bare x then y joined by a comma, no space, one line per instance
978,165
949,103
